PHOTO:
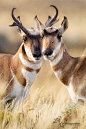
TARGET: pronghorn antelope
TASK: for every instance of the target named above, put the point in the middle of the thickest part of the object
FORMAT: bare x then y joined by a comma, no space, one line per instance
19,71
71,71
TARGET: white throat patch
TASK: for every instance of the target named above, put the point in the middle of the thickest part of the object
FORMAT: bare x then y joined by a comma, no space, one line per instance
29,64
57,60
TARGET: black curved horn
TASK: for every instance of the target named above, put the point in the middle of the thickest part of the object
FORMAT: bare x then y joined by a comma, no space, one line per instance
18,23
55,16
53,20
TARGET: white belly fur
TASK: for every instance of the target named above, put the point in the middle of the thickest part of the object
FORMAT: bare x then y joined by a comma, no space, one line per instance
19,91
74,96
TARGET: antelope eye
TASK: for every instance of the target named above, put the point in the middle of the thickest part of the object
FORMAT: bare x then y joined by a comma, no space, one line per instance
59,36
25,39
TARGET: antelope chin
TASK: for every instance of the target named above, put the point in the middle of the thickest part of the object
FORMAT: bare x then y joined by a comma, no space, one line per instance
37,59
48,57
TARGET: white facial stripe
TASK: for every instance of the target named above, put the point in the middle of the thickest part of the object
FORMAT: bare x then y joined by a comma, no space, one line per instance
43,49
29,54
29,64
57,60
57,49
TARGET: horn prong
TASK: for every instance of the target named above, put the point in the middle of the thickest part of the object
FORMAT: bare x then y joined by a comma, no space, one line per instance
14,24
18,23
53,20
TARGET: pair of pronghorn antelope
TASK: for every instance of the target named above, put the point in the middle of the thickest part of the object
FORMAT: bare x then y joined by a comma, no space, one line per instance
20,70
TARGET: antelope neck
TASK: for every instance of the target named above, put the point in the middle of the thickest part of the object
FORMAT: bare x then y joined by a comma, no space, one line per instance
64,65
20,61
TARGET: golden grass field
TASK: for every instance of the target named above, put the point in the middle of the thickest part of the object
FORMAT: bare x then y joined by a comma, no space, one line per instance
48,105
40,112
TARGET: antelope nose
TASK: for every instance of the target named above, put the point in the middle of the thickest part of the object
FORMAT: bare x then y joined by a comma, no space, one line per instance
38,54
48,52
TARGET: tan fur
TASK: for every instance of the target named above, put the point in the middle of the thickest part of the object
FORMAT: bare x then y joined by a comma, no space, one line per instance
12,63
67,66
70,67
71,71
75,67
62,49
5,73
17,66
49,42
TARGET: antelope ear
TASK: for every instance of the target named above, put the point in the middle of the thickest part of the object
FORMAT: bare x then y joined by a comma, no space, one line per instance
39,25
21,33
64,25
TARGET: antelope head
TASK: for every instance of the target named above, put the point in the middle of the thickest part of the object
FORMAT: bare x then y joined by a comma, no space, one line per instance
52,36
31,39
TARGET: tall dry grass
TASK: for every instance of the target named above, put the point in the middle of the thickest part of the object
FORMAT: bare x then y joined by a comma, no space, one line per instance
53,112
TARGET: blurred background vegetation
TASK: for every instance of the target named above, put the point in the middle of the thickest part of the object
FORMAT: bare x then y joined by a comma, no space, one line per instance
74,38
